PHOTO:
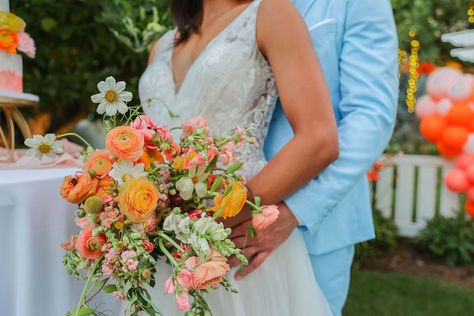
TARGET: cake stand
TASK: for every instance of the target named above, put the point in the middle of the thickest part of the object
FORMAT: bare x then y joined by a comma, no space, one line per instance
10,104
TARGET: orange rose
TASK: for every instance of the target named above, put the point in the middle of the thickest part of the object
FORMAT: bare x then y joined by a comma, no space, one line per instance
151,155
125,142
138,199
8,41
100,162
77,189
89,246
210,273
232,203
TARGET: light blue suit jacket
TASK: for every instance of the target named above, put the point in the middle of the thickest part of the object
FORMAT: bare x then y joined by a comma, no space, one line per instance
356,43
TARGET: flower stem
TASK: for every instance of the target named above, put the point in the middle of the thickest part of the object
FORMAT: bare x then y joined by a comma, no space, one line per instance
89,278
76,135
161,234
167,253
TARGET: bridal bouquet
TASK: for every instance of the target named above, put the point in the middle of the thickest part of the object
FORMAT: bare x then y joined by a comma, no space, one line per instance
148,197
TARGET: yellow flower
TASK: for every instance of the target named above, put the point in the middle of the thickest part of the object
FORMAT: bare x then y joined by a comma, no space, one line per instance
138,199
11,22
232,203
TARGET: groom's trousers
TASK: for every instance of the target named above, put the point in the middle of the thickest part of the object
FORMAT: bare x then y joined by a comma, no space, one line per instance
332,272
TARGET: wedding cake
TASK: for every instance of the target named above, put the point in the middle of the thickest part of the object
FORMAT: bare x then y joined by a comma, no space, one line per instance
13,40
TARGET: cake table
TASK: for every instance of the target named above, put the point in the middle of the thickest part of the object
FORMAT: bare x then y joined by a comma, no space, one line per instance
10,103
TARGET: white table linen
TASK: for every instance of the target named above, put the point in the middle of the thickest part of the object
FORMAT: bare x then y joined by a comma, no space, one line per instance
34,221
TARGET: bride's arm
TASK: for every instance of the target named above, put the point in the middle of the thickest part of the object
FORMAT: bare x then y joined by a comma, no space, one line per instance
285,41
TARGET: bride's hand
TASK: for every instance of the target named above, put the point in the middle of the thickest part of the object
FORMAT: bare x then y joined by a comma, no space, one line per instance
259,248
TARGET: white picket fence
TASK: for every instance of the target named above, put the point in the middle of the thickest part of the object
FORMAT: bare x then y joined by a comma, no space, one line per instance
411,191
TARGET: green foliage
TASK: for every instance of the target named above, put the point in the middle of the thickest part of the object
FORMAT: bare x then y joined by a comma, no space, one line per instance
430,19
386,238
451,239
82,42
395,294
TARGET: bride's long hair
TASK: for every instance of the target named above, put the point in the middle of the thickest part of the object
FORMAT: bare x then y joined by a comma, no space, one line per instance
187,15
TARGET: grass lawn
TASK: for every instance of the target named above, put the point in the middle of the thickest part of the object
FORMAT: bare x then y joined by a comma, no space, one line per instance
394,294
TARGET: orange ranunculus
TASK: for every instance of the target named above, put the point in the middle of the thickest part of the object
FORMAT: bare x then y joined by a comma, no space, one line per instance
125,142
138,199
8,41
100,162
105,187
232,203
89,246
151,155
77,189
211,272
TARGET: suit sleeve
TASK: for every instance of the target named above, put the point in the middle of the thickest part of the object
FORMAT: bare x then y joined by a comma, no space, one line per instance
369,91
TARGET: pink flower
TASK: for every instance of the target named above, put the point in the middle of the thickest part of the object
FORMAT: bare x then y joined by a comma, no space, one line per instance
183,301
145,126
210,273
169,286
118,295
26,44
266,217
150,224
192,262
192,158
89,246
83,222
185,279
211,153
127,255
193,124
69,244
227,153
132,264
164,133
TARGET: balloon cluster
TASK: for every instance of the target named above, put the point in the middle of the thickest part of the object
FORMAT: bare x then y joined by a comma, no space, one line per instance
461,180
447,112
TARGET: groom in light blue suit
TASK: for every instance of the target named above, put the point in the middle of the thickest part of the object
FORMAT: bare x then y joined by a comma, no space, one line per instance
356,43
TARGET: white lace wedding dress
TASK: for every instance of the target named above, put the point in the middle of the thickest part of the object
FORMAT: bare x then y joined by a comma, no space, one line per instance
231,84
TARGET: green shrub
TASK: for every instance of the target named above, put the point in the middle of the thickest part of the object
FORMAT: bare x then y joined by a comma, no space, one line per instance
451,239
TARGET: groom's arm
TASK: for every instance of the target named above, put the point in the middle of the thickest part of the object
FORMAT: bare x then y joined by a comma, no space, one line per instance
369,87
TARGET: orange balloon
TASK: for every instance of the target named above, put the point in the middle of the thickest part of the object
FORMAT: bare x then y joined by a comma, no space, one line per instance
455,137
460,114
469,206
446,151
432,127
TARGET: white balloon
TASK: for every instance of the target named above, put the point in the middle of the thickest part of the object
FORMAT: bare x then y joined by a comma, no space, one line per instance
462,90
425,106
440,82
469,147
443,106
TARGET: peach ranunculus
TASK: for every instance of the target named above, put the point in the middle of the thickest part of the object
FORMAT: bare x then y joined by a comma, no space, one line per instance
193,124
77,189
125,142
138,198
105,188
266,217
211,272
69,244
8,41
100,162
89,246
232,203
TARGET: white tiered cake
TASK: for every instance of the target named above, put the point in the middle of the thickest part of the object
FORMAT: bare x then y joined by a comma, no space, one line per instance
11,66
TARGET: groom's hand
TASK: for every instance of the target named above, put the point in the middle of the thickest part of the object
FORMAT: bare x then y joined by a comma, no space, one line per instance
259,248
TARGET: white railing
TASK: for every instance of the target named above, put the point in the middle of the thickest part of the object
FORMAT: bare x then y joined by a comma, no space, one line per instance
411,191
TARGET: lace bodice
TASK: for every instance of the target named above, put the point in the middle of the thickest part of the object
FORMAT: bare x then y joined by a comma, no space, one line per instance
230,84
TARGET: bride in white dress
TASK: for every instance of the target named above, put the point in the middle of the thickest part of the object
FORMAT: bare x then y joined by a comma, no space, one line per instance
231,83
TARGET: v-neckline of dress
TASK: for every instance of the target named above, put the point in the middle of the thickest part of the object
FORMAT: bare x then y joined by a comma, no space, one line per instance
177,89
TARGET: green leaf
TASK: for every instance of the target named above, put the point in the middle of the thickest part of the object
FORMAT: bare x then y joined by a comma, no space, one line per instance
236,166
251,230
110,288
216,184
83,311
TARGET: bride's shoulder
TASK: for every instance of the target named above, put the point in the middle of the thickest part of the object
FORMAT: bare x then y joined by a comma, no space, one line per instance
164,42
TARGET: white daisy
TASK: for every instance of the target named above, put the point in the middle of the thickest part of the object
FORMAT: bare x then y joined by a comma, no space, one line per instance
125,170
46,145
112,97
193,182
